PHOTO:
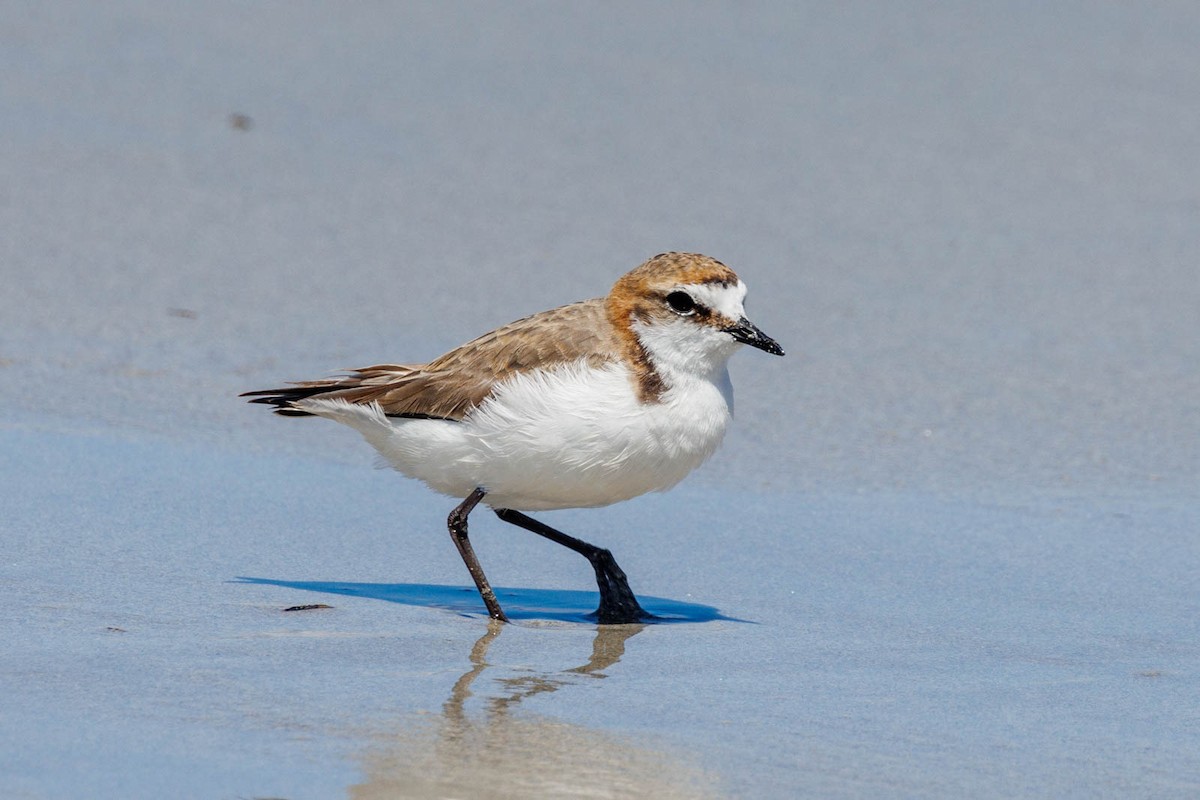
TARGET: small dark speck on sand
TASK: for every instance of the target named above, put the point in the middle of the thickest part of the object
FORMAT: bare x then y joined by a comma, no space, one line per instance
307,608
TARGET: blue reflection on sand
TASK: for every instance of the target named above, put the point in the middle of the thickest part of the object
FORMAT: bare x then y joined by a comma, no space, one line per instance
554,604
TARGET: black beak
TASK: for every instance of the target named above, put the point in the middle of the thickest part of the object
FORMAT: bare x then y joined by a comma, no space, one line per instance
747,332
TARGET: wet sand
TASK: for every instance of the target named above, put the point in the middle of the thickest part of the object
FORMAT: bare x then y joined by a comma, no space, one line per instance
948,549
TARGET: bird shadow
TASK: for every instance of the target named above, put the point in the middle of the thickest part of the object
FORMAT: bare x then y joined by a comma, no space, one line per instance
519,604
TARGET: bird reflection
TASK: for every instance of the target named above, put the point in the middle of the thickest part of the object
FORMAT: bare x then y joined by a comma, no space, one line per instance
505,753
607,649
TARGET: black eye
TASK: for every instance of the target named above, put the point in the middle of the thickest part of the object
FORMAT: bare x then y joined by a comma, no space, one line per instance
681,303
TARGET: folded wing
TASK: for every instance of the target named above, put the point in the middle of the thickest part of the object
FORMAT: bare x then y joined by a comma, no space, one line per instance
450,386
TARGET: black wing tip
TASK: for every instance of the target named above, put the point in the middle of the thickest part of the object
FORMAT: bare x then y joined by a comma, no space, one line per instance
282,399
288,411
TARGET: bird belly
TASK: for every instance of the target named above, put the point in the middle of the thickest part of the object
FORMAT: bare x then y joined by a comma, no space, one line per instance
579,436
572,437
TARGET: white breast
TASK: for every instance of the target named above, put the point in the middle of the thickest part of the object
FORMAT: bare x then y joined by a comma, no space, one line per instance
575,436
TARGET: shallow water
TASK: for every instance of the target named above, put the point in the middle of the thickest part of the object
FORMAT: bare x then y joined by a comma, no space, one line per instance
837,646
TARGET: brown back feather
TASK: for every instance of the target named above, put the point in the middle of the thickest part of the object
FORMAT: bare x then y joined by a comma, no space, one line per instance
450,386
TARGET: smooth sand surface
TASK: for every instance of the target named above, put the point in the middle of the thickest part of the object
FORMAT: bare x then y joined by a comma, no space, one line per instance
949,547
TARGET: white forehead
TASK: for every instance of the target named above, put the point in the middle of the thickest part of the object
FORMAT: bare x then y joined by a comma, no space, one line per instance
726,299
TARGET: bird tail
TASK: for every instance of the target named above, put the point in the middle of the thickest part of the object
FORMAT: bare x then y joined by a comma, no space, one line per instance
285,399
360,385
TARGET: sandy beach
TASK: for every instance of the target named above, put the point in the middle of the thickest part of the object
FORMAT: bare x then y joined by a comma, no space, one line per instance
948,549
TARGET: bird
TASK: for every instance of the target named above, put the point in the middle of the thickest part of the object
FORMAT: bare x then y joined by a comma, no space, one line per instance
580,406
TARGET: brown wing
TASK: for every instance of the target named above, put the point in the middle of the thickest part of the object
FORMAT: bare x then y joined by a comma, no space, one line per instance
450,386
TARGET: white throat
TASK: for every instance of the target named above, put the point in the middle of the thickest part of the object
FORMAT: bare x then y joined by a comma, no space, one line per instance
685,350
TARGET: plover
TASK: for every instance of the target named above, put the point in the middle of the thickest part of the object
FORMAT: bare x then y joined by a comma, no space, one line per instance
580,406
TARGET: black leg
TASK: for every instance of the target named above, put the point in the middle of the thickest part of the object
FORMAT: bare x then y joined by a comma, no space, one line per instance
618,606
458,532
